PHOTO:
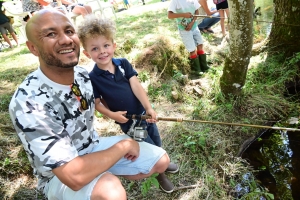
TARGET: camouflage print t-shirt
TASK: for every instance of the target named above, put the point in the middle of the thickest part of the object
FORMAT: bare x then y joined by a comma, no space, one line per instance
49,121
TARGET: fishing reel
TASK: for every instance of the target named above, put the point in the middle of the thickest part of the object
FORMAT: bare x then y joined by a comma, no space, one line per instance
137,133
184,22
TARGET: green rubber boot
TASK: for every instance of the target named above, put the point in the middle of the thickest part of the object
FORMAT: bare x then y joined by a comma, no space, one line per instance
195,66
203,63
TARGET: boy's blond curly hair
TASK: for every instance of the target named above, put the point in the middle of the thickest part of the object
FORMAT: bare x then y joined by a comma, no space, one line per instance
93,26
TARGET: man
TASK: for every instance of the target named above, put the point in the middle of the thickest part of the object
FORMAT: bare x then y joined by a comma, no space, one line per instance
53,111
209,9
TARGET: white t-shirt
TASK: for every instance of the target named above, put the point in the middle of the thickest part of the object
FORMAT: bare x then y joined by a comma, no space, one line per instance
184,6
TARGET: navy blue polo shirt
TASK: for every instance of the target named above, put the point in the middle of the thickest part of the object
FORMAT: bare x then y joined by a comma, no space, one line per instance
115,88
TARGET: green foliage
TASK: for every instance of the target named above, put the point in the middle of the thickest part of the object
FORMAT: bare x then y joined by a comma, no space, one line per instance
194,141
12,166
295,59
256,193
177,74
144,76
146,185
4,102
157,91
98,114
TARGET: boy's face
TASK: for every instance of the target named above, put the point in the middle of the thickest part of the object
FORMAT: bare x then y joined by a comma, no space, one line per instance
100,50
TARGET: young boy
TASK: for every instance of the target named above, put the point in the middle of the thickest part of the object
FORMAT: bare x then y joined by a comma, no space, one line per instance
114,80
183,11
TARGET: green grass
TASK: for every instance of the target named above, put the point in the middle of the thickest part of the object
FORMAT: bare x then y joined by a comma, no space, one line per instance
206,153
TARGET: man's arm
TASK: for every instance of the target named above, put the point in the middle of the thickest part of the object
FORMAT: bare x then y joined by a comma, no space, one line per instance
204,5
83,169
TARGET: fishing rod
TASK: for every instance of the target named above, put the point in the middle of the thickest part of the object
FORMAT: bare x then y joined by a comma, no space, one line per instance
144,117
207,16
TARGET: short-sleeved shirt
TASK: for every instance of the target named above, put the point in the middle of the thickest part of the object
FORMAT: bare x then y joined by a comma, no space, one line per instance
184,6
3,18
115,88
50,124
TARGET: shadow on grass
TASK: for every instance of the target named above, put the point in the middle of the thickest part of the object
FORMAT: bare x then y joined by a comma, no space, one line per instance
24,193
9,81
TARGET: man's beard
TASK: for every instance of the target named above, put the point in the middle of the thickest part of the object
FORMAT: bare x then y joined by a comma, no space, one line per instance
51,60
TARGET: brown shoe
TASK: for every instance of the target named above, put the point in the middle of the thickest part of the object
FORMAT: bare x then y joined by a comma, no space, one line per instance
172,168
164,183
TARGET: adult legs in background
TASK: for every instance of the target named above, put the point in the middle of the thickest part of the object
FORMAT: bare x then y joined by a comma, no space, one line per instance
3,28
7,40
222,16
207,23
222,9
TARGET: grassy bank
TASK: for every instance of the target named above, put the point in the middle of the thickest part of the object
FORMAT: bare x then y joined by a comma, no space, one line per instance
206,153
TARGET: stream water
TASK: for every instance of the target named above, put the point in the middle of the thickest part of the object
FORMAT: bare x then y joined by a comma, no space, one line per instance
276,156
262,21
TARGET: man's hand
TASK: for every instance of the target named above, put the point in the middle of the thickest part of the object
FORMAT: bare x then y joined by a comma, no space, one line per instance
133,149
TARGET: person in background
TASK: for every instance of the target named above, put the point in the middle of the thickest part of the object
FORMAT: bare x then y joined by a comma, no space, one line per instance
116,82
77,8
209,9
183,11
53,110
32,6
126,3
5,26
222,7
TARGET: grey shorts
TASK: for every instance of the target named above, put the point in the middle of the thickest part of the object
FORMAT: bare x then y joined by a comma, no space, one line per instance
191,39
6,26
149,155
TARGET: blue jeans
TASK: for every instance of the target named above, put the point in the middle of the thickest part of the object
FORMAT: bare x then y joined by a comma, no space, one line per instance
153,134
209,22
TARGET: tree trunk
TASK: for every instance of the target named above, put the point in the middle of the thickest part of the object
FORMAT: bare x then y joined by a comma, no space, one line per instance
240,45
284,36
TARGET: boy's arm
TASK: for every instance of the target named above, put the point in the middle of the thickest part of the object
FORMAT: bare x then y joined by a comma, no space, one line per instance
172,15
117,116
190,25
141,94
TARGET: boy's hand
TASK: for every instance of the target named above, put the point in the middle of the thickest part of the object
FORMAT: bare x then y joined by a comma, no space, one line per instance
189,26
187,15
153,115
119,116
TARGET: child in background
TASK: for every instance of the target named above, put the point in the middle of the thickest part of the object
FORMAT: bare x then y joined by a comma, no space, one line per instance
114,80
183,11
126,3
222,7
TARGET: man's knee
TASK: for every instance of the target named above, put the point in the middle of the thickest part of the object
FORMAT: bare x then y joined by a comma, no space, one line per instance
108,187
162,164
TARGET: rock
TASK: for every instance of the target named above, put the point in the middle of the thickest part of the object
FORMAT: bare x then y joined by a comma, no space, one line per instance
198,91
175,95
